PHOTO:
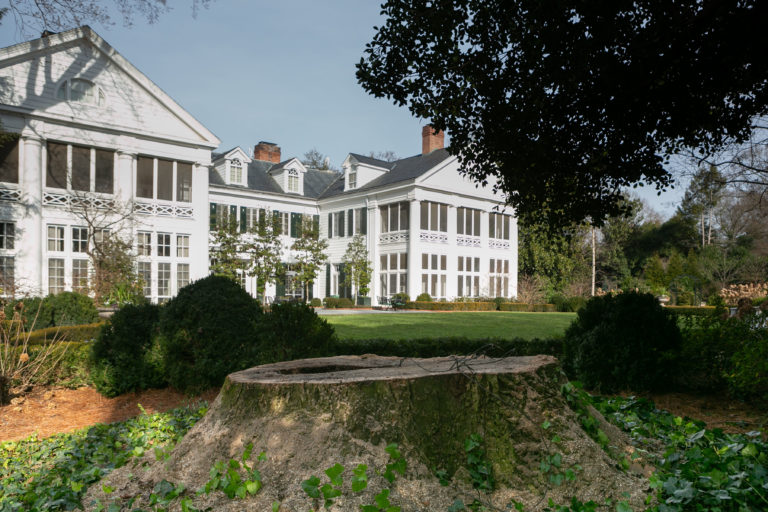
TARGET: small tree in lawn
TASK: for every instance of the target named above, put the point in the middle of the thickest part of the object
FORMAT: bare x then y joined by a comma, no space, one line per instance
309,249
358,267
265,251
228,248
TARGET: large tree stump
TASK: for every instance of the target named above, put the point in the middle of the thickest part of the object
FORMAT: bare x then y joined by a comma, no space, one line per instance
309,414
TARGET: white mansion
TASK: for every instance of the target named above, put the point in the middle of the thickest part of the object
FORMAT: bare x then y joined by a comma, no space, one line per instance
94,131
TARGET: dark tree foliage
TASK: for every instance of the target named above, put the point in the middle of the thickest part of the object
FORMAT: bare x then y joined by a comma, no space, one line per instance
567,102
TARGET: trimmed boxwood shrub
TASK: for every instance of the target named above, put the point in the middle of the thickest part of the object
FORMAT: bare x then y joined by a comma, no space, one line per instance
622,342
65,308
123,357
293,330
519,306
208,331
85,332
345,302
316,302
452,306
424,297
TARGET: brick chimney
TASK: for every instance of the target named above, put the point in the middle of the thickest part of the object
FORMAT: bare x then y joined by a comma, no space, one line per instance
430,140
267,151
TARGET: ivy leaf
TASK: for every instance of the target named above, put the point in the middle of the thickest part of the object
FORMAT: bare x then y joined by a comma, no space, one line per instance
310,487
334,474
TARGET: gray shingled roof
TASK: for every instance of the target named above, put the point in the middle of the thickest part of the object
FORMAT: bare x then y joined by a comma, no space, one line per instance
399,170
372,161
315,181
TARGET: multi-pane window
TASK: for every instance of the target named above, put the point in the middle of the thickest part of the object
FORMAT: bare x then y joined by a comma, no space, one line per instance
148,168
163,280
498,278
7,235
182,246
9,160
468,280
80,168
145,276
434,216
293,180
56,238
235,171
182,275
338,224
55,275
498,226
7,276
433,276
251,219
144,243
163,244
101,236
353,178
79,239
285,223
394,217
468,221
222,215
80,276
78,90
393,273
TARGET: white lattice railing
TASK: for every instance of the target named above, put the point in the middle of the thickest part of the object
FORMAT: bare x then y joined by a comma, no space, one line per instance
165,210
498,244
435,237
393,237
468,241
9,194
77,201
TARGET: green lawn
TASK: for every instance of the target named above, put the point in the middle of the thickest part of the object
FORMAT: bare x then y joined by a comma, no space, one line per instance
439,325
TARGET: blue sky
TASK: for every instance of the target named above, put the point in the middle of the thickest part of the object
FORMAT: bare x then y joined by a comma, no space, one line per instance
282,72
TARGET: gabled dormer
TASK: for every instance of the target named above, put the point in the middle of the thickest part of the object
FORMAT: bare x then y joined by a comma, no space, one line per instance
360,170
289,175
232,166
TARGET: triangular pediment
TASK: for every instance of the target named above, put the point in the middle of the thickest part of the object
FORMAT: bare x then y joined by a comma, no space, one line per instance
446,176
32,74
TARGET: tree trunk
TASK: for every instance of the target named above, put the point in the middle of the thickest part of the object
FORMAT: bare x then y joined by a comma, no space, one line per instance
309,414
594,261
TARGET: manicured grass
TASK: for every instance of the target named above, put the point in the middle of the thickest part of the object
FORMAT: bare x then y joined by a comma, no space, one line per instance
398,326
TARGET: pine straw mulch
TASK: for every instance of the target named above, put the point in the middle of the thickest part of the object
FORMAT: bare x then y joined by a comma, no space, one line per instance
49,411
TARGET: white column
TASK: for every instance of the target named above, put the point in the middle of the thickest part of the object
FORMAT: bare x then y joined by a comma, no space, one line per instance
372,239
199,233
414,257
30,257
124,177
451,254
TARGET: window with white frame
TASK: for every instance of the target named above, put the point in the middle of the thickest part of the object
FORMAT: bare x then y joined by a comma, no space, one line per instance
9,160
100,236
144,271
285,223
468,221
358,218
498,226
7,235
339,223
433,276
55,275
78,90
7,276
353,178
164,244
55,238
498,278
251,219
236,171
79,168
144,243
163,281
293,180
393,273
151,171
80,276
394,217
223,215
468,280
434,216
182,275
79,239
182,246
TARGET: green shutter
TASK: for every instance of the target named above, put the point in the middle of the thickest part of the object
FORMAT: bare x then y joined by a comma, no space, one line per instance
364,221
212,219
327,279
342,277
276,221
295,225
316,225
243,224
341,224
350,222
232,215
330,225
262,218
279,287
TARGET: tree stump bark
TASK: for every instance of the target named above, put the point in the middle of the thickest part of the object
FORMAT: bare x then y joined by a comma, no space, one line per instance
309,414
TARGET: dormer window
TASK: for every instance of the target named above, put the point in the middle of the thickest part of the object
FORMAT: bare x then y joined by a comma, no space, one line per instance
78,90
353,178
236,171
293,181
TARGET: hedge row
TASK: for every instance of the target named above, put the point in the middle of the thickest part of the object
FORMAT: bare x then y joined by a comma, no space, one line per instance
691,310
479,306
75,333
431,347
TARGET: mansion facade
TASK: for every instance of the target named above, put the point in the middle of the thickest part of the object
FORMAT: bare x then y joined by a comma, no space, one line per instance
96,147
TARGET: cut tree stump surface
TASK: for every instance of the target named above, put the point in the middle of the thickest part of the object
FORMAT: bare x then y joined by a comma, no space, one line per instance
308,415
